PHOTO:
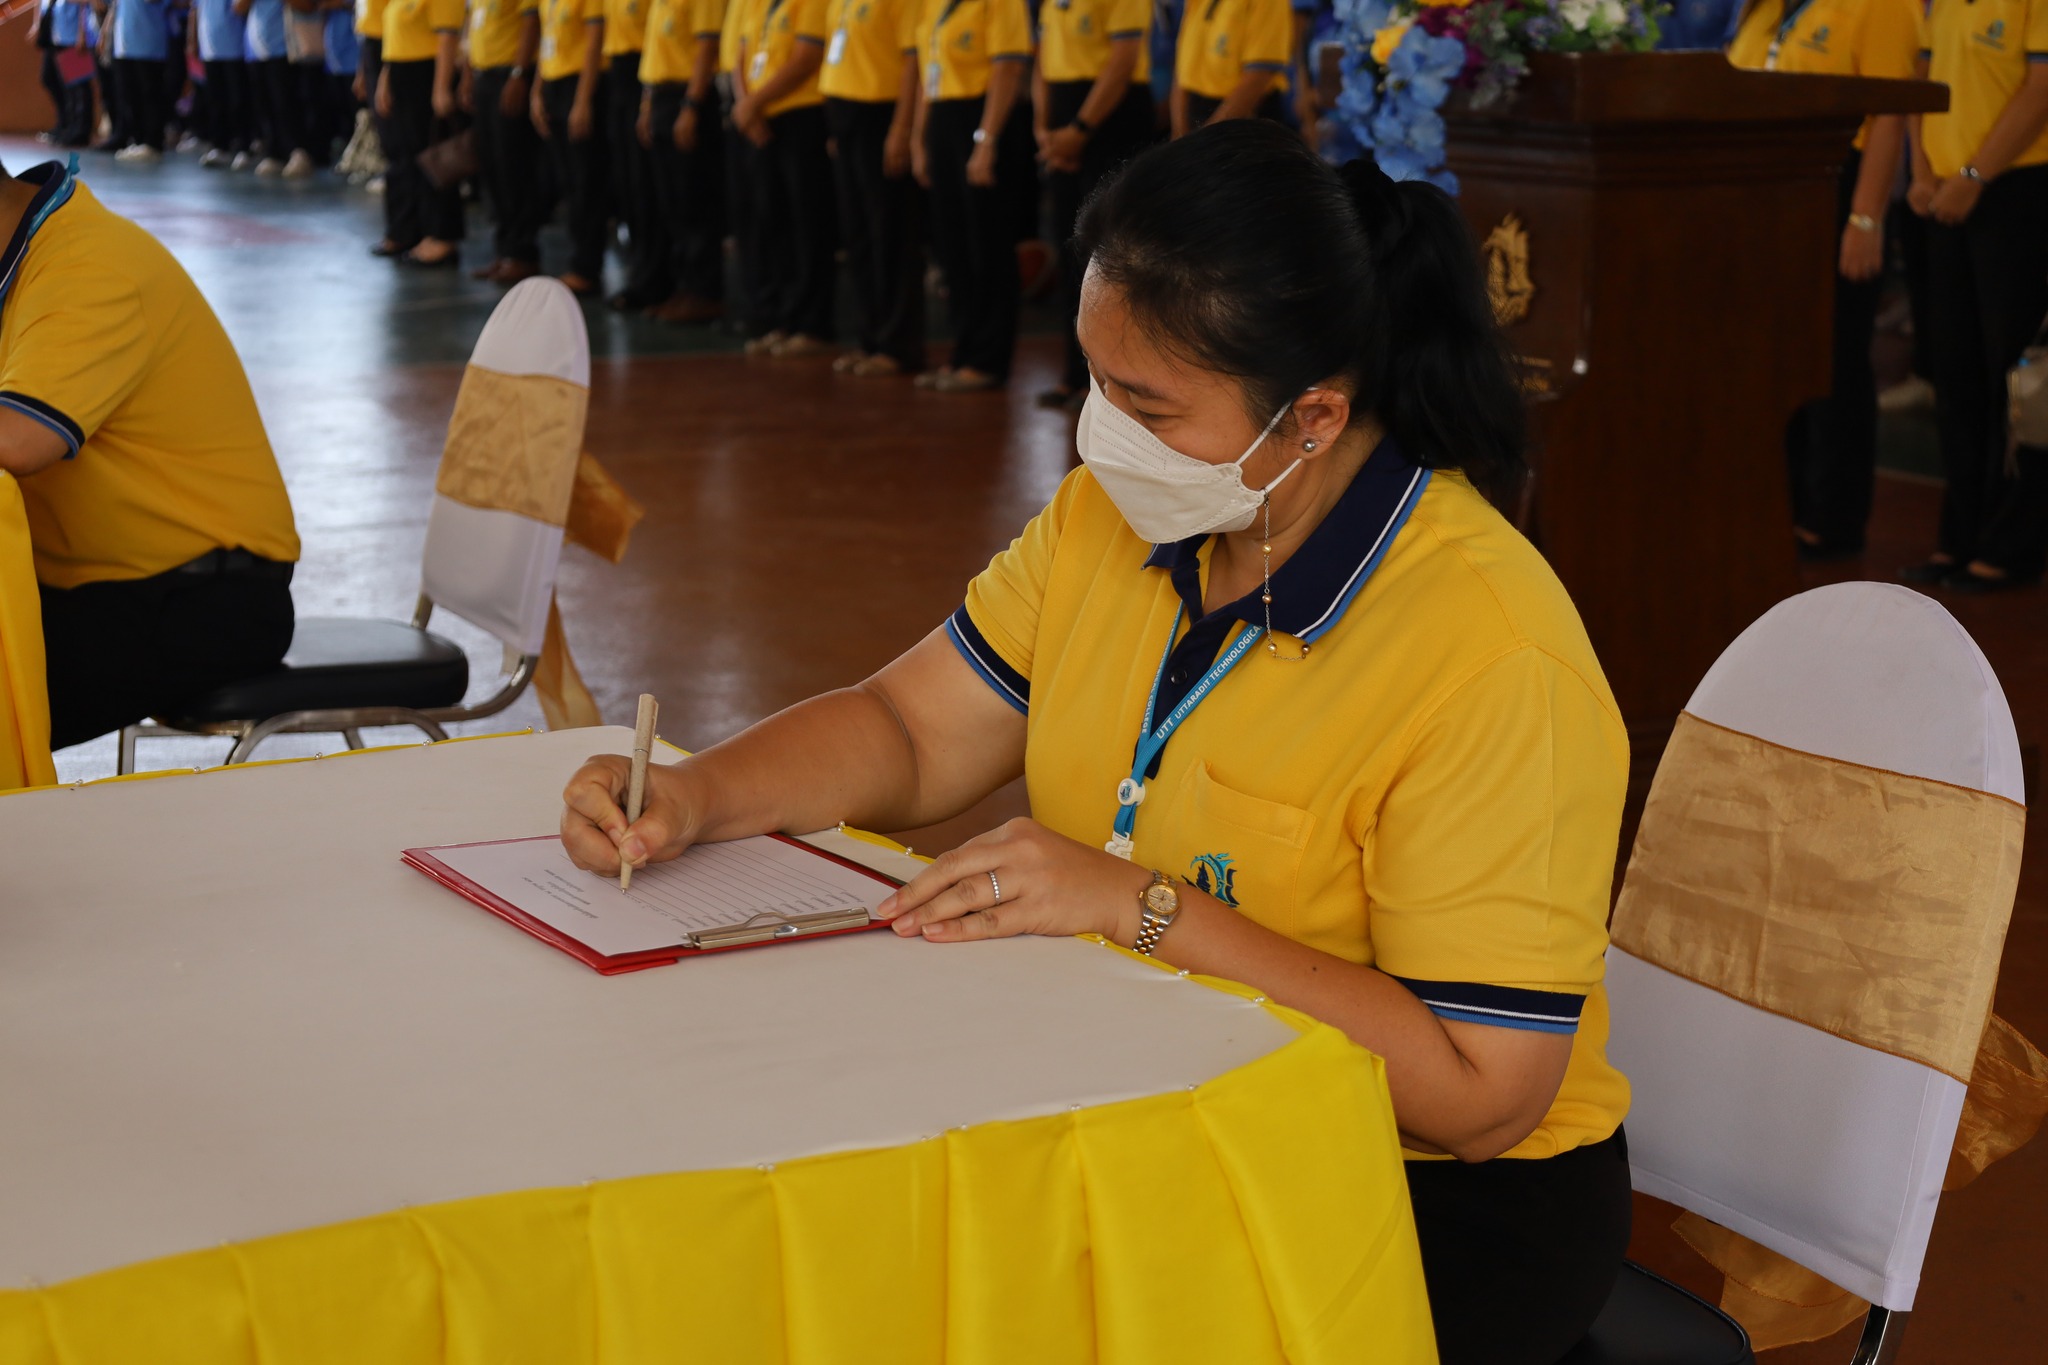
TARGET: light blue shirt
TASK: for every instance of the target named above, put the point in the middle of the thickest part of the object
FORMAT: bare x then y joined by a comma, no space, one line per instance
139,33
263,39
342,47
220,31
1695,24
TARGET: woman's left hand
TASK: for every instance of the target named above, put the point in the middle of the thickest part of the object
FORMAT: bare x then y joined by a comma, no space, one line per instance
1050,885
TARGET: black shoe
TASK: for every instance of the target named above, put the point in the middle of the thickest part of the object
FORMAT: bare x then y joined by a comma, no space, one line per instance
1932,574
388,248
1976,585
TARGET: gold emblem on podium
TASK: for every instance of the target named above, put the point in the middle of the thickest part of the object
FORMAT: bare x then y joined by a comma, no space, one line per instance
1507,270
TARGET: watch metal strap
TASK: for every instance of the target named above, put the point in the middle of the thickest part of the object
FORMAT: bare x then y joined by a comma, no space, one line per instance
1151,924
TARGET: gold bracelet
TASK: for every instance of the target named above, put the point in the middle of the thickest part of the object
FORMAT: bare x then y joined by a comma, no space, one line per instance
1862,222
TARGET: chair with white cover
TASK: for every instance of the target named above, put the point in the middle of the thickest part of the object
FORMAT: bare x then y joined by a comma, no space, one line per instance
494,568
1843,802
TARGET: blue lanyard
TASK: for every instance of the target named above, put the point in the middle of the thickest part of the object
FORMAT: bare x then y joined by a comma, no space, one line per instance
1130,793
1793,9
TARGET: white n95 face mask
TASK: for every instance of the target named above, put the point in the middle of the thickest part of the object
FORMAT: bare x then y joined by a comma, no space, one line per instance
1165,495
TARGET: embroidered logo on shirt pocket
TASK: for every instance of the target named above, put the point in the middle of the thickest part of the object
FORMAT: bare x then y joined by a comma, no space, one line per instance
1244,850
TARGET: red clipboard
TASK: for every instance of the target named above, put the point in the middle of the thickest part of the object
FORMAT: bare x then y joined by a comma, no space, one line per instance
423,859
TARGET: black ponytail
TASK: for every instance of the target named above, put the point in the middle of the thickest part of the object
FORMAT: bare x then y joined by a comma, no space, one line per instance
1241,251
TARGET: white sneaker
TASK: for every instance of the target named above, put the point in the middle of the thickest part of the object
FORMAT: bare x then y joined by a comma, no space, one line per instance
300,166
214,159
190,143
242,162
270,165
139,152
376,185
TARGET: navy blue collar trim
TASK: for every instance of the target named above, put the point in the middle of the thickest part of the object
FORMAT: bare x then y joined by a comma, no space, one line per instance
55,184
1312,590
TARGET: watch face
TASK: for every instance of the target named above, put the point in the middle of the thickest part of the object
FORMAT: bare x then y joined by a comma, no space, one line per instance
1162,900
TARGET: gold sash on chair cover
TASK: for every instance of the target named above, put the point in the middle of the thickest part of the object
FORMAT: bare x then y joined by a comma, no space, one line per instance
24,694
1865,903
515,445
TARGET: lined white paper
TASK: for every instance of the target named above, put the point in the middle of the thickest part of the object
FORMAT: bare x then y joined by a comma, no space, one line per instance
711,886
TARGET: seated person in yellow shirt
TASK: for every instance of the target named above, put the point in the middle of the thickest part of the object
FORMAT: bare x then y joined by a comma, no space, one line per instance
1339,724
163,538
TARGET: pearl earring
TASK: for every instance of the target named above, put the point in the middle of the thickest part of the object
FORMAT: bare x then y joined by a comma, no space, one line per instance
1309,444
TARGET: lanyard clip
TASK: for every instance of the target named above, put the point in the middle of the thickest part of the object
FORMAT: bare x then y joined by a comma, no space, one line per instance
1121,846
1130,792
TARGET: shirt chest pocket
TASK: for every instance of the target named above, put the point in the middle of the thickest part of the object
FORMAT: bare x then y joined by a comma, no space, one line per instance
1242,849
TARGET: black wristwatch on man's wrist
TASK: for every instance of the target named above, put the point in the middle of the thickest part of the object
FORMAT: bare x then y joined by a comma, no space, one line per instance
1083,126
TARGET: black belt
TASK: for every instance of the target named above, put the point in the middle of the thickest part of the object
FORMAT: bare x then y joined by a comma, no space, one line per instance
235,564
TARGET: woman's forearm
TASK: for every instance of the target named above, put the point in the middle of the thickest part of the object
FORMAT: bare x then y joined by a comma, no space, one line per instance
1005,79
1244,97
2018,125
1873,190
1115,79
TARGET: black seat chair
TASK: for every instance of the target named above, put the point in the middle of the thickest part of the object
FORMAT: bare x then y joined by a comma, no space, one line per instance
1650,1321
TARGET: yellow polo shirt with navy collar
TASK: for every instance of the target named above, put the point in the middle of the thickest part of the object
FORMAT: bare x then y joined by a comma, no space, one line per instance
1220,40
958,40
1830,38
565,34
674,28
864,54
370,19
1434,791
494,31
105,340
411,28
1075,37
769,34
1979,49
625,27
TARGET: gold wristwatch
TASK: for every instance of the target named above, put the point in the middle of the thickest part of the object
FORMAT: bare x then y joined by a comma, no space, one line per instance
1157,906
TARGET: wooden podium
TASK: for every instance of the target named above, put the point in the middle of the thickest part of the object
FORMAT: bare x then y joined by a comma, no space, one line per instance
1659,236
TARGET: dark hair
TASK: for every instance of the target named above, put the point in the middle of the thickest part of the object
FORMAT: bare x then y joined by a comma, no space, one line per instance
1240,250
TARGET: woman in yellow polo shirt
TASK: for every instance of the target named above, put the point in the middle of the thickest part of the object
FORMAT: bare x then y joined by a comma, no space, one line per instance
1091,111
1831,445
504,45
870,88
416,98
779,111
972,55
635,201
1294,705
679,126
1230,62
1980,172
567,111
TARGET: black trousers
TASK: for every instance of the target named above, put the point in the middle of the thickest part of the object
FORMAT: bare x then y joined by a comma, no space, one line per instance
270,88
139,111
975,241
1831,443
1126,132
370,62
1987,292
878,229
117,653
634,197
508,151
53,83
580,175
413,207
1201,108
227,105
792,225
1519,1256
691,188
312,110
742,210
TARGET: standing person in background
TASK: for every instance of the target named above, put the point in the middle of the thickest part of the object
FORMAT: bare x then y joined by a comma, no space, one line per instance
416,96
1091,100
344,64
1232,63
780,111
1831,444
305,40
270,82
504,44
369,26
870,88
679,125
218,33
634,199
972,54
1980,172
141,41
67,26
565,109
741,170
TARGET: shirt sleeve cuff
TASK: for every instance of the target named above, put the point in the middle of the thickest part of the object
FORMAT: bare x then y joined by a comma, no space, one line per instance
1499,1006
1012,686
36,410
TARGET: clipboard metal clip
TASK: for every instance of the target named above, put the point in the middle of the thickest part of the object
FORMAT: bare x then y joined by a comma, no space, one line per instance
769,925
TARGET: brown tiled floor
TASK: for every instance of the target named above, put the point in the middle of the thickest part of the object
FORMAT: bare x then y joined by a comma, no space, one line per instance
803,528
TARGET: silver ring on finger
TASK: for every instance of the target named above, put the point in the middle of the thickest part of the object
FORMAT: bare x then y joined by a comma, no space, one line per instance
996,887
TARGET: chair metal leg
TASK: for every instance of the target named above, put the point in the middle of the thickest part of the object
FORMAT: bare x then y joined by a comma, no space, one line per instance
125,764
353,737
342,722
1881,1333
